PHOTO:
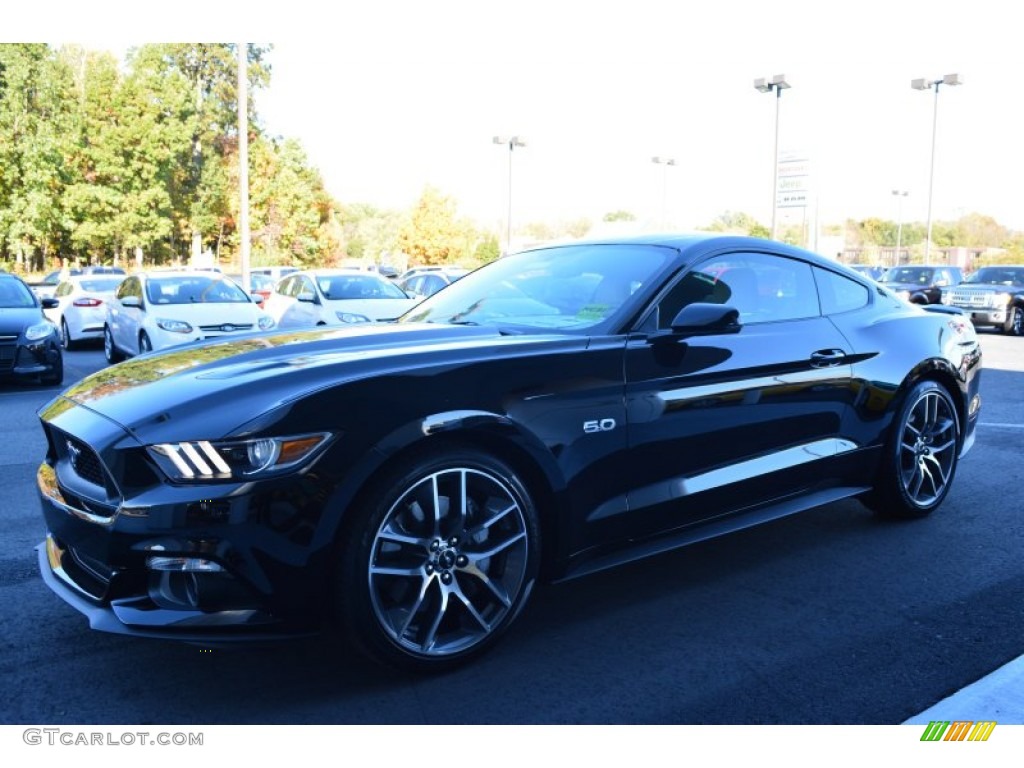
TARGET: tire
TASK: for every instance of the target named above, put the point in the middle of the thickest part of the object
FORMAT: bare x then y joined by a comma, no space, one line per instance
110,351
1014,322
145,345
438,560
65,336
920,457
56,377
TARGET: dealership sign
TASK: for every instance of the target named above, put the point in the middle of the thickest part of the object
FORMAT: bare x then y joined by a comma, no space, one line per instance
794,181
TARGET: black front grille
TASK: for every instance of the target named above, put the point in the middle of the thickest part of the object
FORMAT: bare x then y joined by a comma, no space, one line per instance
231,328
7,355
85,462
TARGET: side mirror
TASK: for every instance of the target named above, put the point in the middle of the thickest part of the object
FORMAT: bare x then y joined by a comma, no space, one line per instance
706,318
701,318
131,301
50,303
308,297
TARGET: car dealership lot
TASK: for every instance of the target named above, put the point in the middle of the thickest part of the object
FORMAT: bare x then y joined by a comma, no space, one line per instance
828,617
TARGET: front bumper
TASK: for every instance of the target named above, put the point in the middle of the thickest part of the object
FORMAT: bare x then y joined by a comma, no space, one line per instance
140,617
30,359
131,571
986,316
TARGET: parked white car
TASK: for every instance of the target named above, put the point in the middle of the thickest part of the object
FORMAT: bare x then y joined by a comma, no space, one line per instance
82,308
156,310
422,283
335,297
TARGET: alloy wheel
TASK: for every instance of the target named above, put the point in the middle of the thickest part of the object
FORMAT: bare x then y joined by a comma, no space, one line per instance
928,448
449,562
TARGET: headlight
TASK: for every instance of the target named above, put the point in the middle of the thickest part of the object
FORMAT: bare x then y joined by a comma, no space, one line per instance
352,317
905,295
39,331
266,323
174,326
1000,299
947,297
205,461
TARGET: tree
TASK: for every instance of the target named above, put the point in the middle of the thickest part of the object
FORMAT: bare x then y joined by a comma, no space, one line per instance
210,69
487,249
34,124
975,230
738,223
433,234
370,233
293,218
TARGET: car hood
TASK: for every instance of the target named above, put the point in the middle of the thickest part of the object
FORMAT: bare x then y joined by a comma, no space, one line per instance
213,313
211,390
15,319
994,287
905,286
375,309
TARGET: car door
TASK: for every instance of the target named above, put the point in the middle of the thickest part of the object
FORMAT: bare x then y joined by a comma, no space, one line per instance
721,420
62,294
124,321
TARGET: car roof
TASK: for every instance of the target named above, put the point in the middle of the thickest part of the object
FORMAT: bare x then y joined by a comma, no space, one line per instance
331,271
181,273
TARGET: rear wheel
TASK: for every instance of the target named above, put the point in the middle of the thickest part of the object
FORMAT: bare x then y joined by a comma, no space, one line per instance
110,351
920,458
438,561
65,335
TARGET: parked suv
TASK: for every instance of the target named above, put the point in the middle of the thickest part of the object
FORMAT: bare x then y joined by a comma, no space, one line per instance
992,296
921,283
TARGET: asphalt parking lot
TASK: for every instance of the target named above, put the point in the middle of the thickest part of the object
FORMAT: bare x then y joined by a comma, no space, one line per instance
830,617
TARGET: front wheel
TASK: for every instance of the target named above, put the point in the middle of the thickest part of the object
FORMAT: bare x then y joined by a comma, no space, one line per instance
920,458
110,350
438,560
1014,322
145,345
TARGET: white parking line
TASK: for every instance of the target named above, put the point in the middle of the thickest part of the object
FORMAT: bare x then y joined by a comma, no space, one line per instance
999,425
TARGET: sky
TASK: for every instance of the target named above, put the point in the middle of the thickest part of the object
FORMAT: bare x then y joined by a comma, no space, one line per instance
388,96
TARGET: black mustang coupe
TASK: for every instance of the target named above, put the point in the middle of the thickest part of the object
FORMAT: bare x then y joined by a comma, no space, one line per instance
554,413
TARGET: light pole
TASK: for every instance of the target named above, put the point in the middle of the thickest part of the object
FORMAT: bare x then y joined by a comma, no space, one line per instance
777,83
924,84
900,195
666,162
512,142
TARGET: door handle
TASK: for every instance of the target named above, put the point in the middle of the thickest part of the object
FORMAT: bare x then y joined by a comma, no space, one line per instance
827,358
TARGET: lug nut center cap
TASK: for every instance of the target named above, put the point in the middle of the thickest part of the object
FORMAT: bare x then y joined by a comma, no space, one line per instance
446,560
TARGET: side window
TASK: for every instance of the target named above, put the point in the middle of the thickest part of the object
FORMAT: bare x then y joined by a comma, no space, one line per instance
839,293
287,287
125,289
764,288
62,290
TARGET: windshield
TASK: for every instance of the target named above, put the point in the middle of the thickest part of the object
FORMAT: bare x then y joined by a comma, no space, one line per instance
194,289
998,276
15,294
563,288
909,275
365,286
